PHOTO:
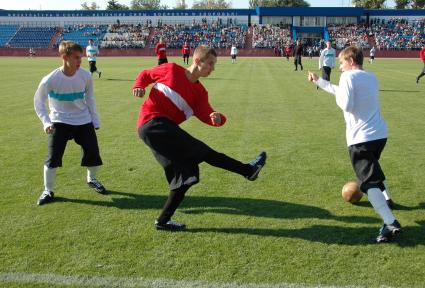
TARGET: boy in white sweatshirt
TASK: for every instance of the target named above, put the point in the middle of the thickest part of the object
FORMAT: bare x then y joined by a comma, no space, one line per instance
68,90
366,132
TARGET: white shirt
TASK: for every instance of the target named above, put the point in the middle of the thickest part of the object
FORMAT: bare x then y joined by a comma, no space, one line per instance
327,58
233,50
70,99
372,51
92,51
357,96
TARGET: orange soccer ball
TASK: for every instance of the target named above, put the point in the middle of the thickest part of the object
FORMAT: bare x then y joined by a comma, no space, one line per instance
351,192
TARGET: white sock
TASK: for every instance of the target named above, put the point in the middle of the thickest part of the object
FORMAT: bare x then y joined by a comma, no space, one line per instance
91,173
49,178
377,199
386,192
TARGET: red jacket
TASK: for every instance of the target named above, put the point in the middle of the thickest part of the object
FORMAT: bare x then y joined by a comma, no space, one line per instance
173,96
160,51
422,54
185,49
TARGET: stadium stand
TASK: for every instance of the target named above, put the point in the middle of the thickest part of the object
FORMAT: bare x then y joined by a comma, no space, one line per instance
125,36
6,33
82,33
32,37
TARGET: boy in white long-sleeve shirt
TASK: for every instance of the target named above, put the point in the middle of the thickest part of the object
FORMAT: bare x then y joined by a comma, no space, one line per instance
327,60
366,132
68,91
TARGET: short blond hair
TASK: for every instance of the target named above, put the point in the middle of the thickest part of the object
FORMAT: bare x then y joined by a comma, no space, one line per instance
203,52
352,52
68,47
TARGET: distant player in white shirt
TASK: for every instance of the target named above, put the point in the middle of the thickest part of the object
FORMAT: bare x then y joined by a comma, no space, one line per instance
233,53
366,132
372,54
327,61
68,91
92,51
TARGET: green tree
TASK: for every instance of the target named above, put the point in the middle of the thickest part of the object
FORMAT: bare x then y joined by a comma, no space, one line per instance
402,4
180,4
92,6
277,3
370,4
211,4
114,5
146,4
418,4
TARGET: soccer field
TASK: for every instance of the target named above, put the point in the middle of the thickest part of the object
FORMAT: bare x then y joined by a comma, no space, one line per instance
290,228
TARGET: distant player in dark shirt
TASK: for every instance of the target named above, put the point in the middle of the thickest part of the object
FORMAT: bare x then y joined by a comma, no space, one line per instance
298,52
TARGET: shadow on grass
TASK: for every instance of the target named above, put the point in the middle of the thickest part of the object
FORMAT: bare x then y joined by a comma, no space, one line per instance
328,234
223,205
116,79
395,90
396,206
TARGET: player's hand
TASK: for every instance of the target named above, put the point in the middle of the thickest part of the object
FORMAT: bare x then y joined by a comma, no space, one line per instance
215,118
312,77
139,92
50,130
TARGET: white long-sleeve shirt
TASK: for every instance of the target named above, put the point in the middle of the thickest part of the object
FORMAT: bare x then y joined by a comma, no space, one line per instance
70,99
357,96
327,58
92,52
233,50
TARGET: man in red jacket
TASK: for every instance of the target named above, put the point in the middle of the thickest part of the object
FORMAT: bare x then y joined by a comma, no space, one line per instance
422,54
176,95
186,53
161,52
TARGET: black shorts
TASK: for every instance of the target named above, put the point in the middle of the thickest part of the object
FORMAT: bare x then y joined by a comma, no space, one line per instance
233,56
297,59
83,135
186,56
162,61
326,73
93,67
372,57
365,160
176,150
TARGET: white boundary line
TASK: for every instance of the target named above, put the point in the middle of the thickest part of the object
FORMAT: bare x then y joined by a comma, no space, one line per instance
107,281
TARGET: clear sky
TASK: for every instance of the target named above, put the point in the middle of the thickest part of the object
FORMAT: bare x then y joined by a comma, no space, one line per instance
76,4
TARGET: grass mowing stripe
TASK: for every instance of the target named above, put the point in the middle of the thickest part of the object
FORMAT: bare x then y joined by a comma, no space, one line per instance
98,281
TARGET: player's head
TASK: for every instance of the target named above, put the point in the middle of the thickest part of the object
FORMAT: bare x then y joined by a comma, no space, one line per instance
204,57
328,43
90,41
71,54
161,40
350,58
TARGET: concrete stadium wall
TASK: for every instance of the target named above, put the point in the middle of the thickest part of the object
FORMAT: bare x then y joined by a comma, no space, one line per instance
177,52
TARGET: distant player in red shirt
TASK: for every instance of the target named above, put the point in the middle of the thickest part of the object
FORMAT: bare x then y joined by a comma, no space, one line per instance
176,95
161,52
186,53
287,52
422,54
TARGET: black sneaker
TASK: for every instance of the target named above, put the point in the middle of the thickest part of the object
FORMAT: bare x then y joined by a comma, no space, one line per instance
97,186
100,74
170,226
46,197
387,232
417,80
257,164
391,204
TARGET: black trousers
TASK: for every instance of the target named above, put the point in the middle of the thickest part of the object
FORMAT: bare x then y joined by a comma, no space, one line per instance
326,73
297,60
422,73
180,155
93,67
365,160
83,135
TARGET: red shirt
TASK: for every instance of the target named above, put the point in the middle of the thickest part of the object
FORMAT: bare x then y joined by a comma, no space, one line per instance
185,49
287,50
173,96
422,54
160,51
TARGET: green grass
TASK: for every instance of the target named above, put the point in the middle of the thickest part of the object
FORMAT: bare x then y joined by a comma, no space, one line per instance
290,226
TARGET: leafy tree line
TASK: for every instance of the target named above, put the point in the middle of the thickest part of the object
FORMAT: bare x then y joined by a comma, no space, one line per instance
225,4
